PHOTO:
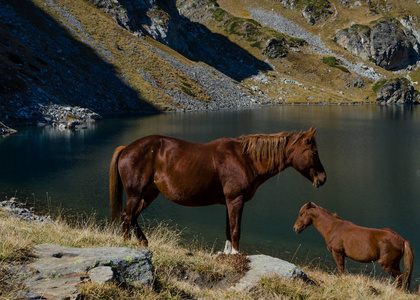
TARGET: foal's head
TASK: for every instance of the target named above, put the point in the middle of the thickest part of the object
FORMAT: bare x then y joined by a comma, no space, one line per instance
302,154
305,217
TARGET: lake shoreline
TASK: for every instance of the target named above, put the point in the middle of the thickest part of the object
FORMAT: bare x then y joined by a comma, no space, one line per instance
63,118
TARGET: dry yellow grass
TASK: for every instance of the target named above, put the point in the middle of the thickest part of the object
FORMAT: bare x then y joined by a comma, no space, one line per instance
181,272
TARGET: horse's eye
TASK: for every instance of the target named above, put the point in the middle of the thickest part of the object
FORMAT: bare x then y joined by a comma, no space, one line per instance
301,214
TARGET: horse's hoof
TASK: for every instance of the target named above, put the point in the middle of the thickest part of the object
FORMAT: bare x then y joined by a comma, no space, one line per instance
144,243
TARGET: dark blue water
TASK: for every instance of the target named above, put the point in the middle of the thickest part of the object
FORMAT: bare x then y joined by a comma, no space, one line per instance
371,155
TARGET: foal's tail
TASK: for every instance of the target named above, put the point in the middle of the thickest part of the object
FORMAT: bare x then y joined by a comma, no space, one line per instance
115,187
408,265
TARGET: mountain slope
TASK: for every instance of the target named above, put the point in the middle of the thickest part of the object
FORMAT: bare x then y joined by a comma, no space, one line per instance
148,56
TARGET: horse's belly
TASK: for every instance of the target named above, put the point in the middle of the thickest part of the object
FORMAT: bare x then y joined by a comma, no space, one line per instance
195,200
192,196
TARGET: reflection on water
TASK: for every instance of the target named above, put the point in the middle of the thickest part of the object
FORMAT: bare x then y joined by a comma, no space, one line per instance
370,153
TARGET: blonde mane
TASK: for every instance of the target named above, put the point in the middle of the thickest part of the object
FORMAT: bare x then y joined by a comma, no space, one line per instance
267,147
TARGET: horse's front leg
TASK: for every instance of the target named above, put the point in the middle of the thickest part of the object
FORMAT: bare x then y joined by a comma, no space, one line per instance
228,245
339,260
233,224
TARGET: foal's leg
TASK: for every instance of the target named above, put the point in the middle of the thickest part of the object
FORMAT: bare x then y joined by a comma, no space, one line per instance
235,208
339,260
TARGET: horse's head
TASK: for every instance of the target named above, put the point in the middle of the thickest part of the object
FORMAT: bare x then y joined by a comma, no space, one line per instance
302,154
304,219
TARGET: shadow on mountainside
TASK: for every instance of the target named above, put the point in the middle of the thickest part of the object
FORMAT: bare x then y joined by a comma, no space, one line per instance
194,40
42,63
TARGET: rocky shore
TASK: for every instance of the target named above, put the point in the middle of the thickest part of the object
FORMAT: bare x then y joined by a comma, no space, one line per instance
19,209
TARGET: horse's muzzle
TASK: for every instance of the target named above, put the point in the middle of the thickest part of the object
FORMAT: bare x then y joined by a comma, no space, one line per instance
296,230
319,180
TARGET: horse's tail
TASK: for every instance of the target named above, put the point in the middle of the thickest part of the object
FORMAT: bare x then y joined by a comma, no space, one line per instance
115,187
408,265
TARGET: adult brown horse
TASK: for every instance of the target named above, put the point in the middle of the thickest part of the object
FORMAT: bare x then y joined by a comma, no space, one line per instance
345,239
226,171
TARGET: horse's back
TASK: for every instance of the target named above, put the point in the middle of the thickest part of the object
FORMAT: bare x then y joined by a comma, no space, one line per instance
184,172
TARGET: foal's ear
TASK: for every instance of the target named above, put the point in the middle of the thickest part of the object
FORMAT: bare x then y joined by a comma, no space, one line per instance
310,205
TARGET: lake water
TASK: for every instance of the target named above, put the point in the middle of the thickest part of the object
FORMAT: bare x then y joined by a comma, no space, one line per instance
371,155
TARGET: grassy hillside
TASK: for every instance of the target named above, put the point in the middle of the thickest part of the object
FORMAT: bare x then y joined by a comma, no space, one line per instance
307,67
183,271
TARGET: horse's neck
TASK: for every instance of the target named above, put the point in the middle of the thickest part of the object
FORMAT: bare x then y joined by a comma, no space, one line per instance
268,155
266,171
322,222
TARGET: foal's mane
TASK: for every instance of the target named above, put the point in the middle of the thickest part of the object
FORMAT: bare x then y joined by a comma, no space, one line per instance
268,147
330,213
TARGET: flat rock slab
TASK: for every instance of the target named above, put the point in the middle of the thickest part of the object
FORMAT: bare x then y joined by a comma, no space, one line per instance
58,271
263,265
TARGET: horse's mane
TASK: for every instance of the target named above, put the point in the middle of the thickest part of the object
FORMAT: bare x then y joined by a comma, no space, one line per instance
330,213
267,147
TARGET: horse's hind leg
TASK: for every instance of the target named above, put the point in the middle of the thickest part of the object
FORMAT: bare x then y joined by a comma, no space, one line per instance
148,199
128,215
134,206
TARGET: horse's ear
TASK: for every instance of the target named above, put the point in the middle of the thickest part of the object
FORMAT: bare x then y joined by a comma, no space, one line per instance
311,131
309,134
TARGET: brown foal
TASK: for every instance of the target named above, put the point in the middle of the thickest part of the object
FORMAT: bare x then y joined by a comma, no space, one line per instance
362,244
226,171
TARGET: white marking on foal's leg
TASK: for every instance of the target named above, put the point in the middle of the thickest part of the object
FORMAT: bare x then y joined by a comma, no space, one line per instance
228,247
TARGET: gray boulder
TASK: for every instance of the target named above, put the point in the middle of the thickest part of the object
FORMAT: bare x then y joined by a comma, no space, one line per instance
387,43
356,40
263,265
58,271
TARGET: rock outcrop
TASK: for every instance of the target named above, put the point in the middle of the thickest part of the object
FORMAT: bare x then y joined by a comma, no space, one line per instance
5,130
275,48
315,11
397,91
58,271
387,43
